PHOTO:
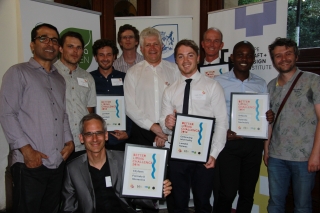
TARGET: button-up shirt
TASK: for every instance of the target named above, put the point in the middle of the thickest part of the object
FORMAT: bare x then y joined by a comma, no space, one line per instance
211,103
121,65
230,83
143,88
80,94
33,111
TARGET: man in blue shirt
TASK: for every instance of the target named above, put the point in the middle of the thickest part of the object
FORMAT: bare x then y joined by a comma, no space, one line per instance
238,164
109,82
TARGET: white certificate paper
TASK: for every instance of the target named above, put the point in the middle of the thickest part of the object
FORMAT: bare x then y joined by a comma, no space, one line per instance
144,171
112,110
192,137
248,114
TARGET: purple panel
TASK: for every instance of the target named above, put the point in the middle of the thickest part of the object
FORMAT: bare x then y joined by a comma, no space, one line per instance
254,23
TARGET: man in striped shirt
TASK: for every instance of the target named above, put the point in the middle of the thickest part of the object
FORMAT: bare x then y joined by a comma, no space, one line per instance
128,39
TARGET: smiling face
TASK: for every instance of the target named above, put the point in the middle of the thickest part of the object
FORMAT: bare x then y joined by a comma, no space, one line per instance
212,44
45,52
72,51
187,60
243,58
95,144
284,59
105,58
152,50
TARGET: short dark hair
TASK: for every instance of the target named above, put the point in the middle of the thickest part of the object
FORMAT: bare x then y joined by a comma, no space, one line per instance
89,117
188,43
71,34
104,43
34,31
287,42
243,43
128,27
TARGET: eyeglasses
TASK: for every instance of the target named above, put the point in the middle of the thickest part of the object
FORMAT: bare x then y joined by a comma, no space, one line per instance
89,135
127,37
46,40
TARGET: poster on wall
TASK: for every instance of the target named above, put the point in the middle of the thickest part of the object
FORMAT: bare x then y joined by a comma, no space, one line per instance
259,23
87,23
172,30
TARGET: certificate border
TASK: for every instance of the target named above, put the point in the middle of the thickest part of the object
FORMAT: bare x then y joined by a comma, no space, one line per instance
112,97
163,163
265,97
208,143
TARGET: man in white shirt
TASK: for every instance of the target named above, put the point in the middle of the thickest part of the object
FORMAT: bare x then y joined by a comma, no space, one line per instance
80,86
206,99
143,88
128,39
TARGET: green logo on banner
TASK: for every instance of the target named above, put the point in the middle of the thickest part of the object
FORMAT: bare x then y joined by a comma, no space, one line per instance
87,51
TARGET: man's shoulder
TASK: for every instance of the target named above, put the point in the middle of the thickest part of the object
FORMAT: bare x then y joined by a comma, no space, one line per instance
119,73
74,163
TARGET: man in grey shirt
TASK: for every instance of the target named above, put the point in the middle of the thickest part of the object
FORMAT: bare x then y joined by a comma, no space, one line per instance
34,119
80,86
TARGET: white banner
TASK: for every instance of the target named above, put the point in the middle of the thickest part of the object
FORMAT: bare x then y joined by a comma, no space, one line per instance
65,18
258,23
172,29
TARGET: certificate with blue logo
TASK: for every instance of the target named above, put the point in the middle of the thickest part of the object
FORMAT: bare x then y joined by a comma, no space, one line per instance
112,110
248,114
191,138
144,170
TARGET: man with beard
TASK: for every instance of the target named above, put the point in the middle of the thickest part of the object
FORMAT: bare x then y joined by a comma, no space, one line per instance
128,39
80,87
110,82
35,122
293,153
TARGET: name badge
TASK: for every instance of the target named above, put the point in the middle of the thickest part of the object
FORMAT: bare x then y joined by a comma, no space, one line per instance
83,82
108,181
198,95
116,81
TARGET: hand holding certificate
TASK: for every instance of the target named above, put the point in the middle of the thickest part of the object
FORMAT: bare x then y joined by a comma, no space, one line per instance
191,139
247,114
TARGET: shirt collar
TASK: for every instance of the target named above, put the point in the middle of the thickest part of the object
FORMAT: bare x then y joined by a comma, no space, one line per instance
215,61
64,67
231,75
36,65
195,76
146,64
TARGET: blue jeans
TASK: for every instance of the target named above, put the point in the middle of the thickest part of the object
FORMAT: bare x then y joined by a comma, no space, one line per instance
280,173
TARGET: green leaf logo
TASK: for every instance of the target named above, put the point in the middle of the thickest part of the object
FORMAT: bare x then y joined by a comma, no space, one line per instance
87,52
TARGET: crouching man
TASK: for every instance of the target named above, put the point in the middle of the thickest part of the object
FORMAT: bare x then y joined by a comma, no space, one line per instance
86,187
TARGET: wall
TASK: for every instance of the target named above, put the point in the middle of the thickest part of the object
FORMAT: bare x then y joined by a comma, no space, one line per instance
179,8
10,43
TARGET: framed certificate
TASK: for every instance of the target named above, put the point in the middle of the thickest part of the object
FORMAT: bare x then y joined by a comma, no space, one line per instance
191,138
112,110
248,114
144,170
214,69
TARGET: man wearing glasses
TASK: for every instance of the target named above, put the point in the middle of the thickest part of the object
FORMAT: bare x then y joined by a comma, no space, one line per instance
128,39
80,86
92,181
34,119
